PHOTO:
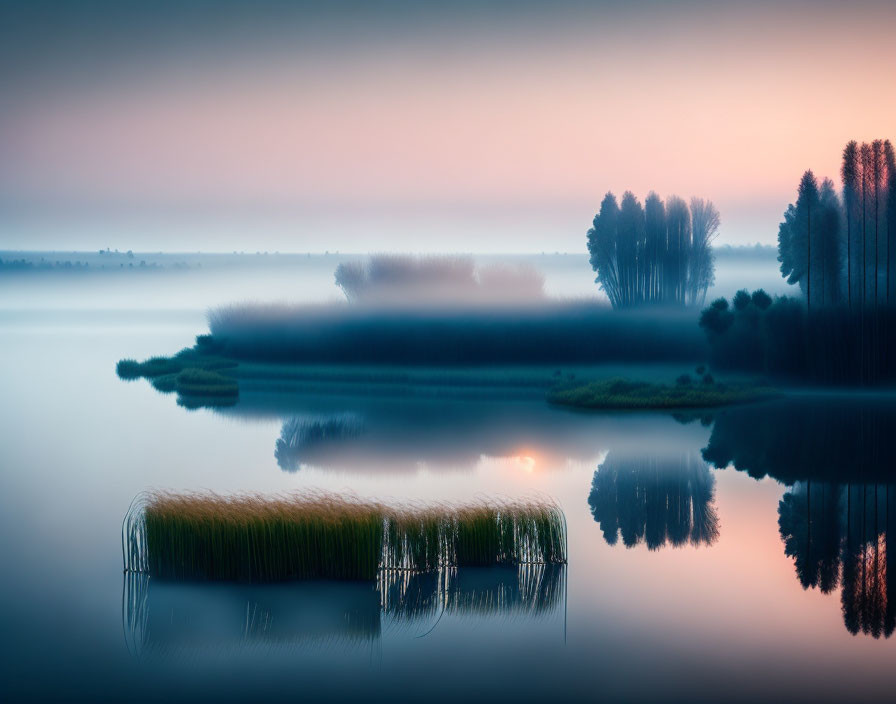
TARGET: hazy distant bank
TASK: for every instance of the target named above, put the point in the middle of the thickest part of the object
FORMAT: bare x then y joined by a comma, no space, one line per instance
198,281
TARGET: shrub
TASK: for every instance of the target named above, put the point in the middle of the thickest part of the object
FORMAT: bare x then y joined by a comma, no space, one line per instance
200,382
741,299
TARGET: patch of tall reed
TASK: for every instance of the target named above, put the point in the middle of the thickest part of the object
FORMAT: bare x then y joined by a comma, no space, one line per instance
316,535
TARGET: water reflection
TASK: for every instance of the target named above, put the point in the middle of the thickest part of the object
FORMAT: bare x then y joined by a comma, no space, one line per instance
802,438
839,535
656,499
366,434
161,617
302,437
836,518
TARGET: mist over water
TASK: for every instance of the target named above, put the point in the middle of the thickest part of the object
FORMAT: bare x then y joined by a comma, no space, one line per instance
707,552
417,351
198,282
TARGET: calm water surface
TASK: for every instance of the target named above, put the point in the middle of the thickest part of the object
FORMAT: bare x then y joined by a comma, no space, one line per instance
766,577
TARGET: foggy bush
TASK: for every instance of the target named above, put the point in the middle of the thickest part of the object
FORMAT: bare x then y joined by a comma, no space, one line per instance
426,279
551,332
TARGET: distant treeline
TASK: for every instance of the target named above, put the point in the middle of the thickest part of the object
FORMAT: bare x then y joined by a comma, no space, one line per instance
751,251
401,279
580,332
783,338
29,265
659,252
840,251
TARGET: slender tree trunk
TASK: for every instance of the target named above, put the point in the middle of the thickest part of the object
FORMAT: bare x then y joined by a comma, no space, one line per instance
848,254
864,242
876,228
824,247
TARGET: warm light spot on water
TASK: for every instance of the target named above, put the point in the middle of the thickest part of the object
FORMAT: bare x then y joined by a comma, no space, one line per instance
527,462
524,461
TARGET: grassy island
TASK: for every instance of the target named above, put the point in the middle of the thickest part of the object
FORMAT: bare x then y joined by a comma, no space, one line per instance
198,375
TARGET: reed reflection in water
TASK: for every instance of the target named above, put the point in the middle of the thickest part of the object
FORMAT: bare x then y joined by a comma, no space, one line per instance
161,617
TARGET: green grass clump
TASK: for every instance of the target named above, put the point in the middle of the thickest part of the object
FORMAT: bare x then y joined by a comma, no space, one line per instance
257,539
194,373
167,383
624,394
129,369
200,382
200,357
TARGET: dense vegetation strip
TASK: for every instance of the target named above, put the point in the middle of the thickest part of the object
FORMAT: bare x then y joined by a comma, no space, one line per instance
308,536
625,394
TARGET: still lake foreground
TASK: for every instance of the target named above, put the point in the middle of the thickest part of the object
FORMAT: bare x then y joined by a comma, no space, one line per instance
767,577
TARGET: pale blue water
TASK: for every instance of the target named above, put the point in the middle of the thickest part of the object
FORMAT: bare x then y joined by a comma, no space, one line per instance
698,617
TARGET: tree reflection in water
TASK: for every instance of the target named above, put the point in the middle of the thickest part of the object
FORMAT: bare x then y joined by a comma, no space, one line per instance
835,519
839,535
656,499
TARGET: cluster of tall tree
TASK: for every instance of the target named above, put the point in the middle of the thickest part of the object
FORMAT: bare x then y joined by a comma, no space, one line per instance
660,252
841,251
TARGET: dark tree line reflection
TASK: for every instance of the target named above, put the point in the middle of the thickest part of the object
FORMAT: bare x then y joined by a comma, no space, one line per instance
839,535
836,518
657,500
799,439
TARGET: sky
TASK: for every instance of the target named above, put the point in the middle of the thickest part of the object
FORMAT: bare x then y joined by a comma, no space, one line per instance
412,126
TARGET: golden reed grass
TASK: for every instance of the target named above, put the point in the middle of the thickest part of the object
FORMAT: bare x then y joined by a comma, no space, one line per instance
253,538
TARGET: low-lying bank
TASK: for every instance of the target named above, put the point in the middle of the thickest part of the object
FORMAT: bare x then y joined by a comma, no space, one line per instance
325,536
203,377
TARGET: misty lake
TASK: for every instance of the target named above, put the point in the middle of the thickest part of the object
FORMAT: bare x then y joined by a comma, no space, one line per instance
742,554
